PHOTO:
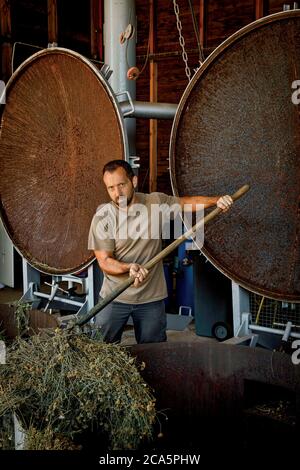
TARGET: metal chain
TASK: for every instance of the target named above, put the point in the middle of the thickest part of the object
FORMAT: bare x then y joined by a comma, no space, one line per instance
181,41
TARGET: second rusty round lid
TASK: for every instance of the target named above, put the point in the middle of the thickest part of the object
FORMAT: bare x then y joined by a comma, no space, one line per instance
60,125
238,123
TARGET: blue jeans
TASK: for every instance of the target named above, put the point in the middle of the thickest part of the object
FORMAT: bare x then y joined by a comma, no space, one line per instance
149,321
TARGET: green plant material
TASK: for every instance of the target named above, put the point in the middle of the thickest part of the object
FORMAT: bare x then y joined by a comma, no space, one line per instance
22,317
2,336
46,439
62,384
6,432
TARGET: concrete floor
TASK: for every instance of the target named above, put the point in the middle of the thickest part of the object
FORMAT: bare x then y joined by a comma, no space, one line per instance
8,295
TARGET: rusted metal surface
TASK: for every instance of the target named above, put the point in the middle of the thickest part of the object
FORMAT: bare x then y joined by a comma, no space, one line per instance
59,127
200,384
236,124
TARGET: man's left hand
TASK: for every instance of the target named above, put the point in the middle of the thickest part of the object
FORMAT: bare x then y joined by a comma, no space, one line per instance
224,203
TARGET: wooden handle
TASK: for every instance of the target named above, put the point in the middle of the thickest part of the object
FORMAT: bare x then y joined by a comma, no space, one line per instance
130,280
240,192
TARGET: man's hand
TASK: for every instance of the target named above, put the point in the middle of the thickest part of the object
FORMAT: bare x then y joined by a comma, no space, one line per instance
139,273
224,203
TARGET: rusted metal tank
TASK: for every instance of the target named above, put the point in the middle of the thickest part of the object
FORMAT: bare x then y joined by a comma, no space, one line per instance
60,125
236,124
217,394
35,320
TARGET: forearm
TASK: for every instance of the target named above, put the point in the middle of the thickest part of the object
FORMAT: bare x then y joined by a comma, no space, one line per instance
114,267
193,201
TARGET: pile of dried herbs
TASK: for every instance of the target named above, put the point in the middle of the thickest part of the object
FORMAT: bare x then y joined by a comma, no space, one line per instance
22,317
62,384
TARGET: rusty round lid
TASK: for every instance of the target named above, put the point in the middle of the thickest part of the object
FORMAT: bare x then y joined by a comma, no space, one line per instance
60,125
237,124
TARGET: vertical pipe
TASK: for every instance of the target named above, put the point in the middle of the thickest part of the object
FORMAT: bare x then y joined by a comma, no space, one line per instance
117,16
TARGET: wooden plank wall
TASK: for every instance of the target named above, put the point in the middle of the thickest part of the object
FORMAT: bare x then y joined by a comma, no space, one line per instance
6,43
219,19
78,26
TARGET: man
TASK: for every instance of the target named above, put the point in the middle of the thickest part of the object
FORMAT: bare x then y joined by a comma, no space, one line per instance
121,255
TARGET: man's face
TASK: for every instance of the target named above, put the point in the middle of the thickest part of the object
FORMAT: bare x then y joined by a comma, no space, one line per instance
119,187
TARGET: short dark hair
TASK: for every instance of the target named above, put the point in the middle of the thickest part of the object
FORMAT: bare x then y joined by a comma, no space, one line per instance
114,164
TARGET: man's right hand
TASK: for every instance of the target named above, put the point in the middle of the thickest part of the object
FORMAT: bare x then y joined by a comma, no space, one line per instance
224,203
139,273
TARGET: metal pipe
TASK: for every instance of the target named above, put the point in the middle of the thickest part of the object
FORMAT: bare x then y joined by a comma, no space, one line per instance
117,16
144,109
265,329
58,299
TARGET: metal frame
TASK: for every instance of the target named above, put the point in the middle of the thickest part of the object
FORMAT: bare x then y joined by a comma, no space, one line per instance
33,294
244,329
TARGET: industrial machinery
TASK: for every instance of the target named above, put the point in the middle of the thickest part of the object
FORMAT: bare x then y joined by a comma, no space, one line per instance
236,123
58,133
61,123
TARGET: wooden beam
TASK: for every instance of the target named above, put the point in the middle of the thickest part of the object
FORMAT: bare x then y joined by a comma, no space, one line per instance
52,22
6,47
97,29
202,22
100,32
259,9
153,99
